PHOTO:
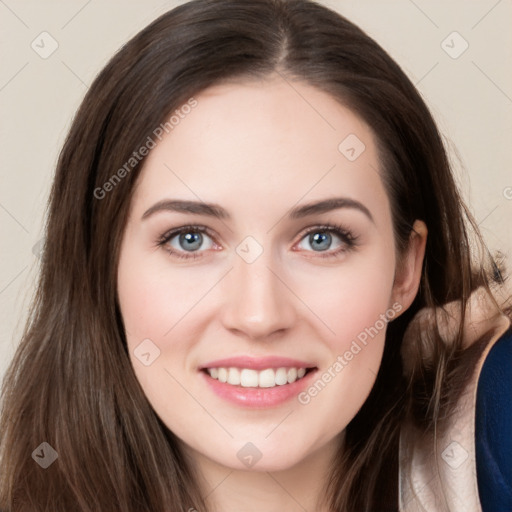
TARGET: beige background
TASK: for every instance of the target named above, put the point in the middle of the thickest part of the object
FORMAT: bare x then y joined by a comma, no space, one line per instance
470,96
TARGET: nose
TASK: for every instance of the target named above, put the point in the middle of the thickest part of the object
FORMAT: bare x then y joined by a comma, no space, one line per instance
257,303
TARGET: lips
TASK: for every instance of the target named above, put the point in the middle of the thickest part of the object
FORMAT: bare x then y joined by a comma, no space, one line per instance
257,382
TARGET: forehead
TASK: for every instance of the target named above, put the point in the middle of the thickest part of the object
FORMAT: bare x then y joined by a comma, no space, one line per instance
274,141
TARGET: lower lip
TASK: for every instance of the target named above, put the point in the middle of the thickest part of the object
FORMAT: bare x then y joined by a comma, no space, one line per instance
258,398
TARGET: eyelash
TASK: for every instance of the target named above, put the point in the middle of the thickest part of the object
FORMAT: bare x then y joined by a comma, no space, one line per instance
346,236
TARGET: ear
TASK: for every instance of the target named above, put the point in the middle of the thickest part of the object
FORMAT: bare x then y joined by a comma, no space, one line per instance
409,267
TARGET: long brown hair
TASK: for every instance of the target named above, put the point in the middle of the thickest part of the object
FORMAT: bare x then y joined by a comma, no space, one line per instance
71,383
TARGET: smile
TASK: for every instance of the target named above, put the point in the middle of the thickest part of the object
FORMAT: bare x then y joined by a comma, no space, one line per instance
257,382
249,378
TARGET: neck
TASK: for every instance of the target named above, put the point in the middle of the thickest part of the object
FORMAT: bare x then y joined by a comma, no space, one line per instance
294,489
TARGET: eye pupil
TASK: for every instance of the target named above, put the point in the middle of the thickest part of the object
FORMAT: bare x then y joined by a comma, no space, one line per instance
320,240
191,241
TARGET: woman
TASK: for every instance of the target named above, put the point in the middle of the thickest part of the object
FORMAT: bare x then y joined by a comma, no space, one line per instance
254,283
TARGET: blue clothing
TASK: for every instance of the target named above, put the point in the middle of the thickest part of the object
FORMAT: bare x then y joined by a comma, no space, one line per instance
493,428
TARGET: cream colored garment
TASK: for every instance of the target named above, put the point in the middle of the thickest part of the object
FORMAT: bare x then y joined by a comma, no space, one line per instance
442,476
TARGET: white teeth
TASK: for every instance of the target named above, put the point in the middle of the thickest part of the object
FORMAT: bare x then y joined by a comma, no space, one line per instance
249,378
233,376
292,375
223,375
267,379
281,377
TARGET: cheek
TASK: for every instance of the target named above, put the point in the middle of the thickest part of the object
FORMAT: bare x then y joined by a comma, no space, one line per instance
154,308
152,299
355,303
167,307
350,299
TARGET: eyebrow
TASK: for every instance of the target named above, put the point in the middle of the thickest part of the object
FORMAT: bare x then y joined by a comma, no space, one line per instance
214,210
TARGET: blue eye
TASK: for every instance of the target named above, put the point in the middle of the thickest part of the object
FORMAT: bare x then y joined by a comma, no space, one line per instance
320,240
190,241
332,238
187,239
327,241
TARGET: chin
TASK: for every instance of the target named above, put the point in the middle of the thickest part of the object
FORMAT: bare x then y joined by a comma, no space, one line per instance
262,455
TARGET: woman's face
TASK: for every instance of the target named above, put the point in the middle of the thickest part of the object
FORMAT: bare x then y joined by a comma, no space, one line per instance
256,289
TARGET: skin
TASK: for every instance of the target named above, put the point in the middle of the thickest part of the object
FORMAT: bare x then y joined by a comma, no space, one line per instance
259,149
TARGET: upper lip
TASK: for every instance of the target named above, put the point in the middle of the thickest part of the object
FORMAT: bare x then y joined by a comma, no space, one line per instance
257,363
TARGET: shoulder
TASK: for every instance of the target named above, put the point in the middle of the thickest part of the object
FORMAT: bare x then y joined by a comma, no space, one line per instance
463,465
493,427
